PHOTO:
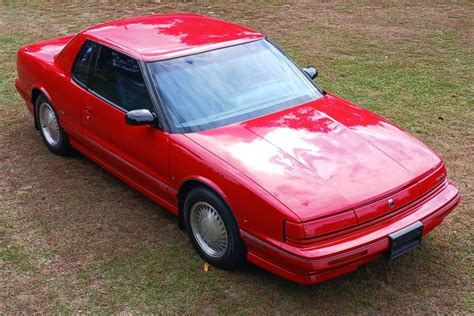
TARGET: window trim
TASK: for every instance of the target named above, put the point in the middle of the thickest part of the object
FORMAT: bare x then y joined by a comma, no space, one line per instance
156,102
155,98
93,57
323,92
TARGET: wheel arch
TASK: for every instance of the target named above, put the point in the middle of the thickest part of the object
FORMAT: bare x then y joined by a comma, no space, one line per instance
194,182
36,92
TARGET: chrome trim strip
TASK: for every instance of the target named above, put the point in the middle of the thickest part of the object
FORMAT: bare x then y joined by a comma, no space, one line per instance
295,257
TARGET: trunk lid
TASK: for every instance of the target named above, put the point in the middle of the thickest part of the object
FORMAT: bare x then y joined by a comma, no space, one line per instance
47,50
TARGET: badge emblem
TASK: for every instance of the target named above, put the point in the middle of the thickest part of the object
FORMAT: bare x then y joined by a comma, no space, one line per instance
391,203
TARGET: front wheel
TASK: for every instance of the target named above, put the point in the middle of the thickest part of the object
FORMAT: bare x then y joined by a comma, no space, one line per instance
213,230
54,137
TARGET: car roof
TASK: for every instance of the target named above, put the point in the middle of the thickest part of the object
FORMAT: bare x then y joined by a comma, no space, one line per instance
164,36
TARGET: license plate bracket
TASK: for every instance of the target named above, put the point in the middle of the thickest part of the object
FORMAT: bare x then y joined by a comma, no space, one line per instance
405,240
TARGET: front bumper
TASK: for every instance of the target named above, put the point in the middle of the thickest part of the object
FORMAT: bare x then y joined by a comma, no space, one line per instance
346,253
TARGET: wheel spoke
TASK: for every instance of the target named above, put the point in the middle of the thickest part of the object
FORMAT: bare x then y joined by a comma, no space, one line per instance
49,118
209,229
49,124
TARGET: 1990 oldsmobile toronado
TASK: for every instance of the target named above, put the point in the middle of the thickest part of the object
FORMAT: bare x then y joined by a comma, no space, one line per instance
217,124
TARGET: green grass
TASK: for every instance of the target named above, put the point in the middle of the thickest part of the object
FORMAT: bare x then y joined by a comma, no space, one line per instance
74,238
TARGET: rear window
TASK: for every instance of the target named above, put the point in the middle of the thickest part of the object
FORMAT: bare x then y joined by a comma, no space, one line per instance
80,71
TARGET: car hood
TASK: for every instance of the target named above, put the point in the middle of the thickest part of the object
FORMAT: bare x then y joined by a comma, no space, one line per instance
322,157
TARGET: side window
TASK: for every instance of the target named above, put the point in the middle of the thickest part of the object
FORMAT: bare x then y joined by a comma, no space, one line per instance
118,79
80,71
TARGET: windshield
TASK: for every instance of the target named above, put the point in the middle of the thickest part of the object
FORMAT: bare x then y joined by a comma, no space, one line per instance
229,85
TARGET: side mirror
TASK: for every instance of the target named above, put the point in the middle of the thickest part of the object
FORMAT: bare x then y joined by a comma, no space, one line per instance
311,72
140,117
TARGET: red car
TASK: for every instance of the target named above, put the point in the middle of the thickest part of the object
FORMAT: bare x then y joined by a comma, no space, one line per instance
214,122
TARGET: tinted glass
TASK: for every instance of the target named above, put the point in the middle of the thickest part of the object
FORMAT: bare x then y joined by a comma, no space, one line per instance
80,70
118,79
229,85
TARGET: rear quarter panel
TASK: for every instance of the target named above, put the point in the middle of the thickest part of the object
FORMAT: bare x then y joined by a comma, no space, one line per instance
36,63
41,66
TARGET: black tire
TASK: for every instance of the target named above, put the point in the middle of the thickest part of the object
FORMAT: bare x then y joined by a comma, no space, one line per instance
62,147
235,252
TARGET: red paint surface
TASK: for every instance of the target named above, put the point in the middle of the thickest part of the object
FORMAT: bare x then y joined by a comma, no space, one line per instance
158,37
326,168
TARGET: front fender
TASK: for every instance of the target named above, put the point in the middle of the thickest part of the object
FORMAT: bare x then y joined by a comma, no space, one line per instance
255,210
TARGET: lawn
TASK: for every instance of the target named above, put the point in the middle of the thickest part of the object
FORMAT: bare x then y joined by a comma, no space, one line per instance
75,238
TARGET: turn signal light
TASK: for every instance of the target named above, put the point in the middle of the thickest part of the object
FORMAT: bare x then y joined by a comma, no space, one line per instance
294,230
321,226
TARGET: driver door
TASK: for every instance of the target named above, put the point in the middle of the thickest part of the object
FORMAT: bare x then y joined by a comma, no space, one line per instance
137,153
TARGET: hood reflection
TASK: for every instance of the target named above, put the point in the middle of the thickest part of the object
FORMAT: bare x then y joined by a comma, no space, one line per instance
308,159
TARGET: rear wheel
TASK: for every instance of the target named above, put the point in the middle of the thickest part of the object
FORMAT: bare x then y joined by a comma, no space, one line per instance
54,137
213,230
